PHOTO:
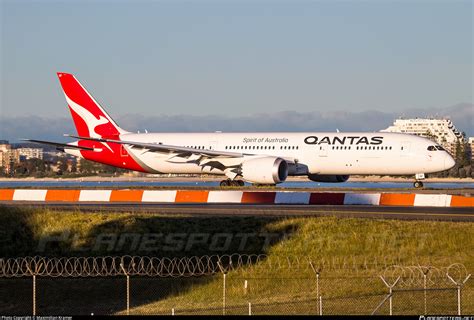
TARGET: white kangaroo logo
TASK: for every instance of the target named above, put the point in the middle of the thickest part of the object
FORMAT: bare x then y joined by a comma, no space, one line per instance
91,121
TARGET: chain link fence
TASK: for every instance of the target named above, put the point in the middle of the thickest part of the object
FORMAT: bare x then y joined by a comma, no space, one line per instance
229,285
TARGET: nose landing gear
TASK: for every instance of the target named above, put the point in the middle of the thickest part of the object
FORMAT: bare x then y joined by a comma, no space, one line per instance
418,184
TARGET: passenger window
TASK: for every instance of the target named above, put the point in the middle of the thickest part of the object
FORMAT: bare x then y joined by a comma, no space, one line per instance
440,148
431,148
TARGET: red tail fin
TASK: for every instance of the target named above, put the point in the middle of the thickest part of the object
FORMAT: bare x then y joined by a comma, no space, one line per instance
89,117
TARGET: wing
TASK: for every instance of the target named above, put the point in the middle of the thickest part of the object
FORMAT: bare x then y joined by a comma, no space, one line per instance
221,160
157,147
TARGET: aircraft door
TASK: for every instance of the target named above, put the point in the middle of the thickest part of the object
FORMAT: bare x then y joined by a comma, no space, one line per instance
214,145
123,151
323,150
405,148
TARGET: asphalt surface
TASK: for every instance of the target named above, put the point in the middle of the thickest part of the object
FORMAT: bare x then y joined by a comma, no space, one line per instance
354,211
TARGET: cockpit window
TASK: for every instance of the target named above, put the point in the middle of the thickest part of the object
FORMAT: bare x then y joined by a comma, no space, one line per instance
434,148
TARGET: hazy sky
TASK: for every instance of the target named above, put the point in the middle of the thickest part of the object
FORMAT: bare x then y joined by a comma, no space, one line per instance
237,57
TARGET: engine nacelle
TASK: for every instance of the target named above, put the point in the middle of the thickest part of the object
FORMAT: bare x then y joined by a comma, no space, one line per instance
266,170
328,178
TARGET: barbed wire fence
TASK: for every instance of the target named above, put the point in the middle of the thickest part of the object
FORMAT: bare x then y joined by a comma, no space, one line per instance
230,285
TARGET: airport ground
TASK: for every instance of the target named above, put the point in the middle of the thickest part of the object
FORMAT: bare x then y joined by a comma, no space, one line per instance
260,210
368,239
165,178
366,245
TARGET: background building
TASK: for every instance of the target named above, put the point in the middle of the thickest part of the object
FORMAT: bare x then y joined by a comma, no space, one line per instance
8,156
440,130
30,153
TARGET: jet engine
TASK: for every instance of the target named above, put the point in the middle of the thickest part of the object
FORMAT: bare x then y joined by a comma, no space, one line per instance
328,178
266,170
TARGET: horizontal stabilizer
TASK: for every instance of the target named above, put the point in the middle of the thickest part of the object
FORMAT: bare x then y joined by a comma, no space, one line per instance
60,145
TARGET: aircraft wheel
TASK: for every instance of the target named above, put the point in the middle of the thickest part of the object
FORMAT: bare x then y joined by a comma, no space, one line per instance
225,183
418,184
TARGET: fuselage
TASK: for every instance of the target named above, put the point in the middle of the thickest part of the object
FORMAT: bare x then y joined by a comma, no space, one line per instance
325,153
257,157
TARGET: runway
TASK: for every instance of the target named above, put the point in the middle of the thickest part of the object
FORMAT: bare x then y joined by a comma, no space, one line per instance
228,210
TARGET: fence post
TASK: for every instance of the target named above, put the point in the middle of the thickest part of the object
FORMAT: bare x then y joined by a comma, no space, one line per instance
317,271
34,273
390,287
459,286
128,288
34,294
223,294
224,271
425,274
318,295
250,309
320,305
172,311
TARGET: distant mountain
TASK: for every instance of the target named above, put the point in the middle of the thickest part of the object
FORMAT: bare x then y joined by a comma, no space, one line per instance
461,114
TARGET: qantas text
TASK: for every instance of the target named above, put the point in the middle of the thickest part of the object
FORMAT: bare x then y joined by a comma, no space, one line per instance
351,140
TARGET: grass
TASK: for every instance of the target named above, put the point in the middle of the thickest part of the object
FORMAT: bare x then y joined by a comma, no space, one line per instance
351,253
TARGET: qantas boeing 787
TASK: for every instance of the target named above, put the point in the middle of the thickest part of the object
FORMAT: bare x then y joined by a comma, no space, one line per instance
257,157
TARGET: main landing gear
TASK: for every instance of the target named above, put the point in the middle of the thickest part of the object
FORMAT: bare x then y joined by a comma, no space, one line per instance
232,183
418,184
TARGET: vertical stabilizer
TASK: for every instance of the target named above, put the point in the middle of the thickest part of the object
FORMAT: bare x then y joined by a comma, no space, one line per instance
89,117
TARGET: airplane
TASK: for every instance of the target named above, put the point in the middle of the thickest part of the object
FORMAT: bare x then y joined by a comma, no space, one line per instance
266,158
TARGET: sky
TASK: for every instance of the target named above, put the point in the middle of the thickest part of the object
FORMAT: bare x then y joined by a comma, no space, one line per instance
237,58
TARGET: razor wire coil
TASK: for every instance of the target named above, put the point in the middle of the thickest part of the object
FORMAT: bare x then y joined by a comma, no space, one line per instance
177,267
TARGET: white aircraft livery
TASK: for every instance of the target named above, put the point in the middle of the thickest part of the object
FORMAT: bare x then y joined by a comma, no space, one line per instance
256,157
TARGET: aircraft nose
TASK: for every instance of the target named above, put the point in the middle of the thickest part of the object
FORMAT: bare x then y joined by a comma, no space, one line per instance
448,162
